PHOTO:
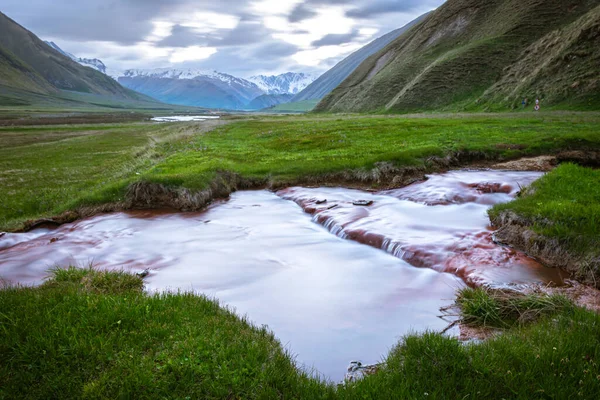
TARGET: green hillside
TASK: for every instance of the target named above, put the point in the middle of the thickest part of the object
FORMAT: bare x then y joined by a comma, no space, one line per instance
29,64
17,74
472,54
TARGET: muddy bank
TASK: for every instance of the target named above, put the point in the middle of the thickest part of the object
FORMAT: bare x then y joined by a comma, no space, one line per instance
150,195
517,232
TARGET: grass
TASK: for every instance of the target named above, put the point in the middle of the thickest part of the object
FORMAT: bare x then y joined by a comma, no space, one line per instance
471,55
563,205
297,106
504,309
92,334
46,170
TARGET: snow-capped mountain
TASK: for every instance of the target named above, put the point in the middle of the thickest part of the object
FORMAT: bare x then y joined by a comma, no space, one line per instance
288,83
173,73
191,87
203,88
88,62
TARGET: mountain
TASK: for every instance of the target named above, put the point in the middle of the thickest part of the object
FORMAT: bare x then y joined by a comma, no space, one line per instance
288,83
36,64
268,101
88,62
474,53
192,87
332,78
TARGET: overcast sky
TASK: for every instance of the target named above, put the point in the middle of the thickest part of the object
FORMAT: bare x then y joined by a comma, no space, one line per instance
239,37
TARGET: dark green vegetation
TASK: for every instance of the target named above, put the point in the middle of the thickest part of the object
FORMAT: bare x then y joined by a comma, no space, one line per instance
481,55
564,206
495,308
296,106
90,334
47,170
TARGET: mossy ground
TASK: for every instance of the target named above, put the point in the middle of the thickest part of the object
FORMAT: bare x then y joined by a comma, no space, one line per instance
92,334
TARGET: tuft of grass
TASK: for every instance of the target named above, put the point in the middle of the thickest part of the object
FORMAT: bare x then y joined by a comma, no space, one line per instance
96,281
497,308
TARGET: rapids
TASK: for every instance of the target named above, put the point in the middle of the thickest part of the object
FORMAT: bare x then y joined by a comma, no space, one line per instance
328,299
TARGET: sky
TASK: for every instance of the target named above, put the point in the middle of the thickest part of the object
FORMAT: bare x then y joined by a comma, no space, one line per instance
238,37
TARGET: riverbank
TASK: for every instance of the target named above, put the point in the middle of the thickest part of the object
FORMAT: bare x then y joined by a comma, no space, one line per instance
557,221
186,165
93,334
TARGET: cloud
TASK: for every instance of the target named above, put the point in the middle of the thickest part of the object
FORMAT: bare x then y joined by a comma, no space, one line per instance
380,7
237,36
300,13
335,39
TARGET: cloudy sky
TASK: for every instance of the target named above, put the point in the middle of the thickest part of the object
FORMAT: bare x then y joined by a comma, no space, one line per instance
240,37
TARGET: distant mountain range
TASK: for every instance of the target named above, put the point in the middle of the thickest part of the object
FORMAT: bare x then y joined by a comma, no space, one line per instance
288,83
212,89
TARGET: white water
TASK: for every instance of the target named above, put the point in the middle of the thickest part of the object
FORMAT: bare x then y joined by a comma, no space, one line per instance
184,118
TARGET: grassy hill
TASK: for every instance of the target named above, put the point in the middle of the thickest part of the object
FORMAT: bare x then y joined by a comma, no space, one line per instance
471,54
57,69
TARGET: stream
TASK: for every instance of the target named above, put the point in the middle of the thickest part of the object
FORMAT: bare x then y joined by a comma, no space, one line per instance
335,281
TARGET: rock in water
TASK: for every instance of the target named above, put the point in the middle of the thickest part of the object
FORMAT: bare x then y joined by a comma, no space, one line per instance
363,203
144,273
356,371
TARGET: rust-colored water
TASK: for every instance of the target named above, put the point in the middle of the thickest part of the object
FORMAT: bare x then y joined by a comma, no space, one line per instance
441,224
328,299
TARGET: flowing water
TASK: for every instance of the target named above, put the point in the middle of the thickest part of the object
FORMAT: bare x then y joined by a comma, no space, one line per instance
184,118
328,299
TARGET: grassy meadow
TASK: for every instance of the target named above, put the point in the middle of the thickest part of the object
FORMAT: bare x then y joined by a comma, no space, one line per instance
91,334
45,170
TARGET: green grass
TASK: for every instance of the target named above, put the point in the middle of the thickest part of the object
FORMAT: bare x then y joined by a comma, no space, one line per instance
297,106
563,205
503,309
47,170
92,334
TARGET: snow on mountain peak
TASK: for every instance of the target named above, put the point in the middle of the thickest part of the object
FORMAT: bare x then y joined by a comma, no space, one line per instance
288,83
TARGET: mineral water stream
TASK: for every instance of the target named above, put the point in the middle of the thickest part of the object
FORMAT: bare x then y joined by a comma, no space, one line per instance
330,298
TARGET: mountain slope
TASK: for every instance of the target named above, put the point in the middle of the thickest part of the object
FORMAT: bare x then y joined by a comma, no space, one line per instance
456,54
269,100
332,78
567,67
16,74
57,69
98,65
288,83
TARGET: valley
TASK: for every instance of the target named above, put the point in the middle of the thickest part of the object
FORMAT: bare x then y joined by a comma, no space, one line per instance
413,212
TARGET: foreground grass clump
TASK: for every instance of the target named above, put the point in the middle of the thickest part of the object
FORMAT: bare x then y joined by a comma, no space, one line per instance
503,309
92,334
